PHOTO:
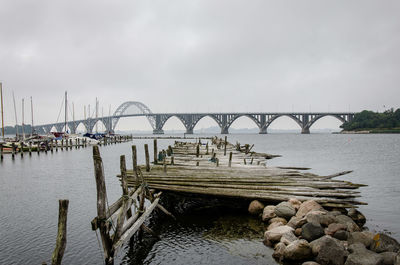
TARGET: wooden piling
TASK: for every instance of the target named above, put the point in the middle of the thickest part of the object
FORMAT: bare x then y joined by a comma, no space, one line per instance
217,160
62,233
134,158
1,152
13,151
230,159
172,160
244,161
197,150
155,151
146,153
207,148
225,143
22,149
101,206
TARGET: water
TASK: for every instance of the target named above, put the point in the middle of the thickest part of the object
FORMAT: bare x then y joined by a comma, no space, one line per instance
30,189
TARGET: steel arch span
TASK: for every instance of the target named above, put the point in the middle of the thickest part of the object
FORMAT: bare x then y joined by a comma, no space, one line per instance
124,106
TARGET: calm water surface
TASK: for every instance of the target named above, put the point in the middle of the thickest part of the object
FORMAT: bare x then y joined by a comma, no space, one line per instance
30,189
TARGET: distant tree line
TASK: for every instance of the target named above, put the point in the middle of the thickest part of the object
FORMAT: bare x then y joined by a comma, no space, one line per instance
27,129
366,119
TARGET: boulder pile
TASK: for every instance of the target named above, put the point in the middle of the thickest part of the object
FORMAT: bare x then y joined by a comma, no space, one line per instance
306,233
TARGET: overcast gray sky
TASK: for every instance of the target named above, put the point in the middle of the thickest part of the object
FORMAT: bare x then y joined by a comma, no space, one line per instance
200,56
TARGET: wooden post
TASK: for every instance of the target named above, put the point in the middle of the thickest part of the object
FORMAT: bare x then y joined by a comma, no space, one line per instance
61,234
244,161
146,153
197,163
13,151
230,159
155,152
22,149
56,146
172,160
124,184
212,152
101,206
251,161
207,148
225,143
66,144
46,147
62,144
197,150
134,159
1,152
165,165
217,160
51,146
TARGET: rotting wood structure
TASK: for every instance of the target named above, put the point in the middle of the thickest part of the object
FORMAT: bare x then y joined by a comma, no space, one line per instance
222,169
216,169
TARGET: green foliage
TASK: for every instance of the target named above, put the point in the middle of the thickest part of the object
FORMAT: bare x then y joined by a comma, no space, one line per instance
373,120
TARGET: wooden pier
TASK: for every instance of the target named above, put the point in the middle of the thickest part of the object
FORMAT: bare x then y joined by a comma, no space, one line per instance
211,169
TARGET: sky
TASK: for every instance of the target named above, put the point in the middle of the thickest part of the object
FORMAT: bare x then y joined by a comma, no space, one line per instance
199,56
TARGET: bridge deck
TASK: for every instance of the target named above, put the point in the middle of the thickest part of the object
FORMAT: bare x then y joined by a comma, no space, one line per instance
248,177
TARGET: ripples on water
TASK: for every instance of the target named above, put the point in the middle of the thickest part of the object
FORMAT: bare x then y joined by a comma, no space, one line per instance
30,189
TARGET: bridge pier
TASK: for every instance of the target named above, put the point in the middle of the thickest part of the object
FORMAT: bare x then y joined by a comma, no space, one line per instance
263,131
158,131
189,131
305,130
224,130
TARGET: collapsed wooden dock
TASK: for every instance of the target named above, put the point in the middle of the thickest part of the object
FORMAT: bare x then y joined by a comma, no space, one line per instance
215,168
222,169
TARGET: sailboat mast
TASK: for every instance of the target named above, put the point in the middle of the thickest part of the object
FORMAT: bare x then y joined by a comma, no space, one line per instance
2,114
73,113
16,119
23,125
32,130
97,113
66,113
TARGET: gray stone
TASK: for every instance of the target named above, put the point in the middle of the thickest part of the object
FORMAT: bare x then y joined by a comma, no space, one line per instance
288,238
268,213
285,210
362,256
331,252
334,227
397,259
357,217
310,263
256,207
274,224
295,203
351,225
277,219
276,233
341,235
317,243
297,222
298,250
383,243
359,237
388,257
307,207
279,249
311,231
320,217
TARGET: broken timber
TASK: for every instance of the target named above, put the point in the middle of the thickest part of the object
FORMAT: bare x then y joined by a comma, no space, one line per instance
118,218
220,174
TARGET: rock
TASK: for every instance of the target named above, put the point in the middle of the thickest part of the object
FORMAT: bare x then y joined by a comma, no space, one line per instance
357,217
362,256
383,243
298,250
351,225
285,210
334,227
334,213
279,249
278,219
288,238
310,263
276,233
268,243
359,237
341,235
331,252
295,203
268,213
307,207
311,231
296,222
297,232
320,217
274,224
256,207
316,244
388,257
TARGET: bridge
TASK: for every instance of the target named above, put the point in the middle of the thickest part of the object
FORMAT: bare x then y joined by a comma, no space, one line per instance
224,120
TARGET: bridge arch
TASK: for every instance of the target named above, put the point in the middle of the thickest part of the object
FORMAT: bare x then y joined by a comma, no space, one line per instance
124,106
253,118
81,124
272,118
314,118
173,116
201,117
